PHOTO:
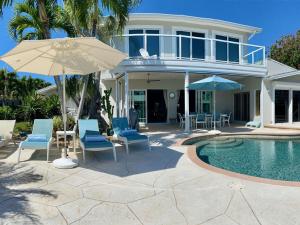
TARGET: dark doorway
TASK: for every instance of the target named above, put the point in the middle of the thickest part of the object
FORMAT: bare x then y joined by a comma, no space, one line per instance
157,110
192,98
242,106
281,106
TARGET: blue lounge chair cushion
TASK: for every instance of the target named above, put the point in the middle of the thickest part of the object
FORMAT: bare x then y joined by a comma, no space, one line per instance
94,138
37,138
136,137
129,132
99,144
34,145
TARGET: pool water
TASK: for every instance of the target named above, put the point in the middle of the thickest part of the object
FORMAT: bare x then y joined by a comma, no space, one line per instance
273,159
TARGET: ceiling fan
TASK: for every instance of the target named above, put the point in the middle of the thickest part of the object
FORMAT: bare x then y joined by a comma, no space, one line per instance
151,80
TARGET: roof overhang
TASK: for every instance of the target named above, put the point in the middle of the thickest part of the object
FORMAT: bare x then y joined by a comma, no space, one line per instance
194,21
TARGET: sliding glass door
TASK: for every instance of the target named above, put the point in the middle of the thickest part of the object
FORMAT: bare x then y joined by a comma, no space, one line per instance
296,106
281,106
242,106
137,100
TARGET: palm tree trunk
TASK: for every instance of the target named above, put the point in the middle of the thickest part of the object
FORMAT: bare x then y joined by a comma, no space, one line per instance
81,103
47,35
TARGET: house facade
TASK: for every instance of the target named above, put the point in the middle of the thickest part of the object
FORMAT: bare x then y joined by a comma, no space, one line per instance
183,49
167,52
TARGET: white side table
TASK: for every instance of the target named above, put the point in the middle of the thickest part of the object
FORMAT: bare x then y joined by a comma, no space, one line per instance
68,133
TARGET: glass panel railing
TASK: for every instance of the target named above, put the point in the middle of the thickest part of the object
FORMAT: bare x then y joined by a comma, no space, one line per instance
192,48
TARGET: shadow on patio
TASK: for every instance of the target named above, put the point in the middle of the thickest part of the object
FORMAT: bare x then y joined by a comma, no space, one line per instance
14,201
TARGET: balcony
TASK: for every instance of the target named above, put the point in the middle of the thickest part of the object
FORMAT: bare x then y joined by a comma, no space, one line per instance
191,51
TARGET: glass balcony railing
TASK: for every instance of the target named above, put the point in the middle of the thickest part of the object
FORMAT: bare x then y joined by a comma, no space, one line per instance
181,47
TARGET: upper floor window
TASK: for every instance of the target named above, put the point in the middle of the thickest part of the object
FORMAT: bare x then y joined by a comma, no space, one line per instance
226,50
143,38
191,46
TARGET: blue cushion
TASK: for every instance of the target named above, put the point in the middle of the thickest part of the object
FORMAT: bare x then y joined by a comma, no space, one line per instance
94,138
33,145
136,137
129,132
99,144
37,138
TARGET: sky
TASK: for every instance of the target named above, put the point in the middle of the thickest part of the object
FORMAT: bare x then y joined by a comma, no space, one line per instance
275,17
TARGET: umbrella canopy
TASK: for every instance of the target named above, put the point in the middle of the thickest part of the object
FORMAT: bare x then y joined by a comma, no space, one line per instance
215,83
60,56
63,56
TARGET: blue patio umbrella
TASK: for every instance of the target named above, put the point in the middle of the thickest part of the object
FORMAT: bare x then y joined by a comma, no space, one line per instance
215,83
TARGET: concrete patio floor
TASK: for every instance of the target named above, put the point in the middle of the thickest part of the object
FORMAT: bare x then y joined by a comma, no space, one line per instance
160,187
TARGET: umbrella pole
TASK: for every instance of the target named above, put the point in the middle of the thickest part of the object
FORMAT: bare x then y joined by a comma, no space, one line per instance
214,116
64,162
64,117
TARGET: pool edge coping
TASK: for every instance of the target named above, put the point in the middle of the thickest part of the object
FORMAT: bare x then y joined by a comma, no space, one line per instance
192,155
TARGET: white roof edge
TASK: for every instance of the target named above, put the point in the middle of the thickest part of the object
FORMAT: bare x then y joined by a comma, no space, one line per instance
292,72
46,89
275,61
193,19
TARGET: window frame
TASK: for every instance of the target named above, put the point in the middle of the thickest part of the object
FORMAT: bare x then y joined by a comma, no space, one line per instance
190,30
144,28
240,37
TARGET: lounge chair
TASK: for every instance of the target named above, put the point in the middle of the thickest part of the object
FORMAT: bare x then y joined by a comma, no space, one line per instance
126,135
145,54
91,140
6,131
40,138
255,123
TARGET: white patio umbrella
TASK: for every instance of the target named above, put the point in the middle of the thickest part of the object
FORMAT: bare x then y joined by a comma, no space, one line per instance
63,56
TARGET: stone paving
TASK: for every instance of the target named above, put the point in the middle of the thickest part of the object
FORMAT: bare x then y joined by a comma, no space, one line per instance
161,187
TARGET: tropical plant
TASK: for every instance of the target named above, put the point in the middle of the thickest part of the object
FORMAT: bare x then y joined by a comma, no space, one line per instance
27,23
32,108
8,85
58,123
6,113
52,106
286,50
106,105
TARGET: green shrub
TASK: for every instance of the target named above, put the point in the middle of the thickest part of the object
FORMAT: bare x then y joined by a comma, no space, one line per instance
52,106
22,127
6,113
58,123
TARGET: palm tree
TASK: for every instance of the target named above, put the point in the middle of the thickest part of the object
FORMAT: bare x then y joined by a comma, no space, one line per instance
28,25
8,85
88,20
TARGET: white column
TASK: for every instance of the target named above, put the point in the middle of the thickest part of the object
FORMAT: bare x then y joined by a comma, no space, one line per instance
262,97
290,106
126,95
186,102
117,98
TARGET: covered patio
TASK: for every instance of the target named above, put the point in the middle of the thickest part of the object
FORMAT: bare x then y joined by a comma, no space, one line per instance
159,102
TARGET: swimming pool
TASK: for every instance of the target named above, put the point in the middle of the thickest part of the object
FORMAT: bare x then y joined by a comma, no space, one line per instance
266,158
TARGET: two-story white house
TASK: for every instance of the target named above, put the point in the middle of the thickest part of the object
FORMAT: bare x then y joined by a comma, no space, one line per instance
181,49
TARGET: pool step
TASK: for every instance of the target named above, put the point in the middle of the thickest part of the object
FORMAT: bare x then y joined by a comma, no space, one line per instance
220,145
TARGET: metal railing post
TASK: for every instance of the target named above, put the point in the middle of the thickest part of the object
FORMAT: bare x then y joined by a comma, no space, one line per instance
180,47
211,51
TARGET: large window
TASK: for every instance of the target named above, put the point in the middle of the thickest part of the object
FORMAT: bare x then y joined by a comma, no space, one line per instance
296,106
192,46
227,51
138,41
281,106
